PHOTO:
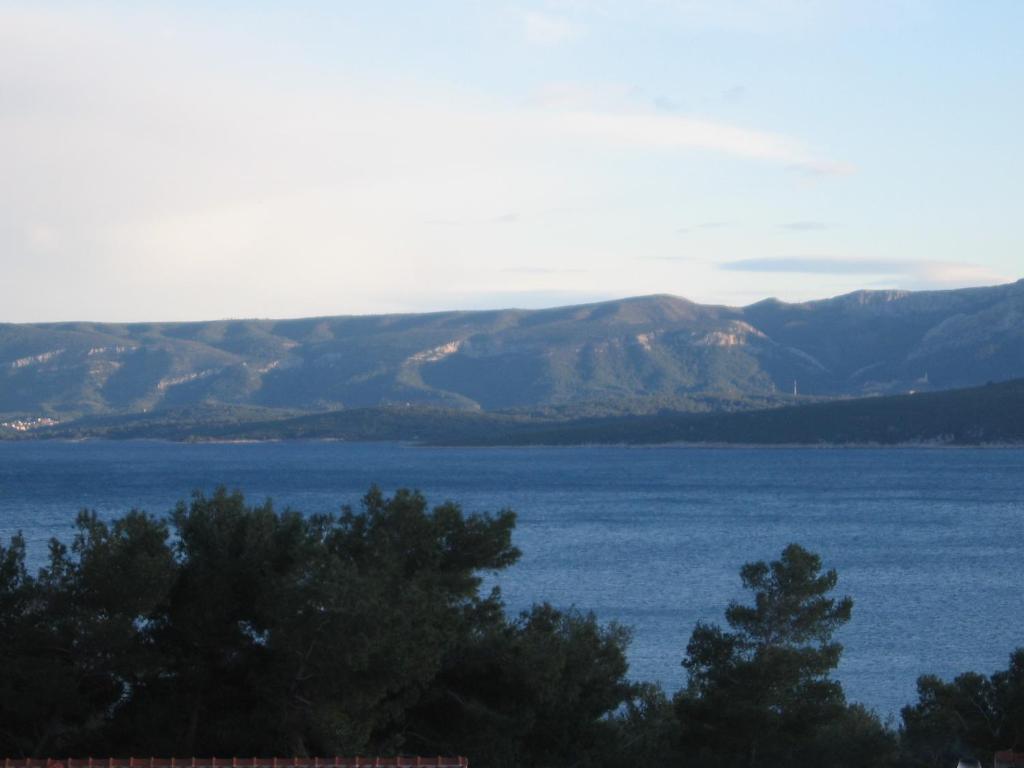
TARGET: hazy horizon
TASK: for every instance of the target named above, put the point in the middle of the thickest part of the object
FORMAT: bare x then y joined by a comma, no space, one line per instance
470,307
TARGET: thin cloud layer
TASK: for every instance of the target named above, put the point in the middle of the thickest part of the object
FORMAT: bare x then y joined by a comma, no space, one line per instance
930,272
668,132
544,29
807,226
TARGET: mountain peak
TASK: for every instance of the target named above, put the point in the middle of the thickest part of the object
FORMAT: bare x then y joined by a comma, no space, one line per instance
864,298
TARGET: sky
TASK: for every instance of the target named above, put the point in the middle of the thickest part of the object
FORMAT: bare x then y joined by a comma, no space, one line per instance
197,160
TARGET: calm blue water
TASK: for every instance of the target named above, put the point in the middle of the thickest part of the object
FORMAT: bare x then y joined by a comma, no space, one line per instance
929,543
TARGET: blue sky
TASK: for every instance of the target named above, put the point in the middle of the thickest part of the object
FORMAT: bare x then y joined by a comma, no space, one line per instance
196,160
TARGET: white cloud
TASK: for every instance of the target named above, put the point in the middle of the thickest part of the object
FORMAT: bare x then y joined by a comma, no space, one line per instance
543,29
677,132
952,275
586,96
914,273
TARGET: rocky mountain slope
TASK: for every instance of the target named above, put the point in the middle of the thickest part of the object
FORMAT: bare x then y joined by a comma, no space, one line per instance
862,343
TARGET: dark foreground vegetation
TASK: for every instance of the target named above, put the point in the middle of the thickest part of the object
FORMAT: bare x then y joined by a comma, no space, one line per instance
992,414
231,629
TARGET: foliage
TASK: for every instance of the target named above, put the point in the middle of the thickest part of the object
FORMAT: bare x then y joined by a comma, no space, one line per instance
238,629
230,628
644,731
246,631
759,694
70,637
533,691
972,716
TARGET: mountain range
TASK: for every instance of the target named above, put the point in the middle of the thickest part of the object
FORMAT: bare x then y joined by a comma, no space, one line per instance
650,347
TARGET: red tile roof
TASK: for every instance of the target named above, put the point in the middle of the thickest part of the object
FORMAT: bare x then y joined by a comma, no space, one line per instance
241,762
1009,759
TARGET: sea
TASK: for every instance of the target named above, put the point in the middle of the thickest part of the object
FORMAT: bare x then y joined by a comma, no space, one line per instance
929,542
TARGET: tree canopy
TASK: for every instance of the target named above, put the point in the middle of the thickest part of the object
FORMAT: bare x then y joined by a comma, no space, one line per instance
227,628
236,629
972,716
760,693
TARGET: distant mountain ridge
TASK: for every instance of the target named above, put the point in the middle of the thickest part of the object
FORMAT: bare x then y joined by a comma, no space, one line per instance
868,342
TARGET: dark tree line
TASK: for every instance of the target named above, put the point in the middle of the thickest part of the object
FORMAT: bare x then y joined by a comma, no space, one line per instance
229,629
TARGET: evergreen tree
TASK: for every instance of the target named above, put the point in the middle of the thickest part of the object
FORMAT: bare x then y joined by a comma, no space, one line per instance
533,692
760,693
972,716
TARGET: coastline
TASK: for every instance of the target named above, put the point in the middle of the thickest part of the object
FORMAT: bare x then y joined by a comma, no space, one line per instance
717,444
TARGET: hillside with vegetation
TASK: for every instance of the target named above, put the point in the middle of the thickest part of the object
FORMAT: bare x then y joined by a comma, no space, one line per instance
647,348
992,414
